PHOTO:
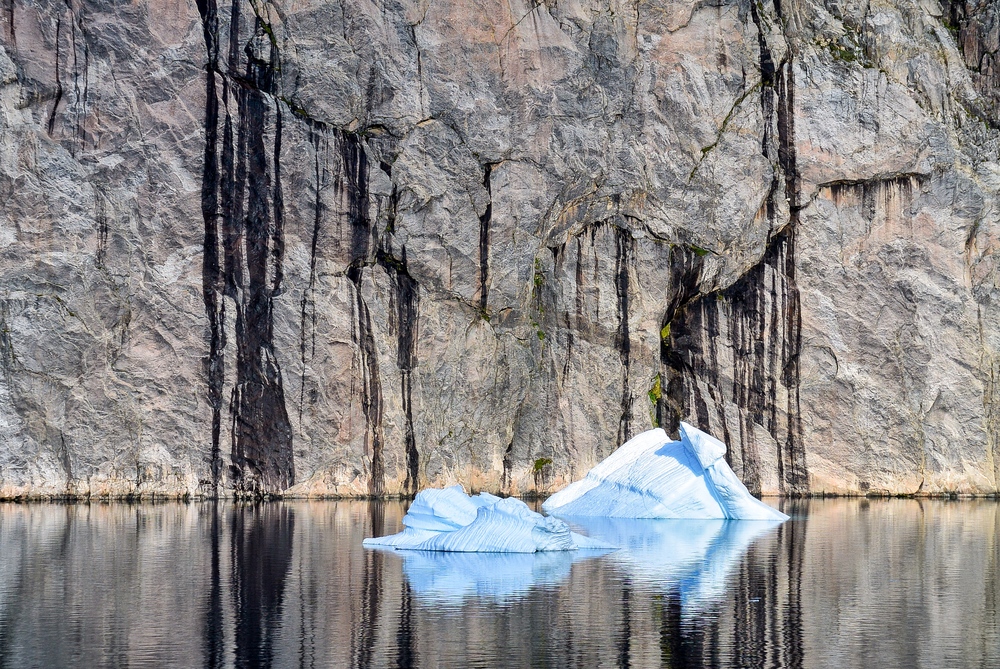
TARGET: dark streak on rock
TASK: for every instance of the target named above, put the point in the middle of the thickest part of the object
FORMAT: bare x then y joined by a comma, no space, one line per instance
101,216
762,317
10,24
508,466
403,315
79,105
262,433
309,294
262,459
403,319
65,461
767,78
792,474
623,341
484,239
355,162
875,193
59,88
685,271
371,396
211,274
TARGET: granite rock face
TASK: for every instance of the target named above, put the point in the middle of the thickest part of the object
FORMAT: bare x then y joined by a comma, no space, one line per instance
360,248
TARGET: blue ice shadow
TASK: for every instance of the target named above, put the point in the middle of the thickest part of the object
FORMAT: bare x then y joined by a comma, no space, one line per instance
693,557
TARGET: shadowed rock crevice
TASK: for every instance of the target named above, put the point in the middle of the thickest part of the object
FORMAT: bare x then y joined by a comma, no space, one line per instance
975,24
403,315
623,341
215,307
484,240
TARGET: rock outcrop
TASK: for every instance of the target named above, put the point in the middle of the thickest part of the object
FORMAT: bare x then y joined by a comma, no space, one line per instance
359,248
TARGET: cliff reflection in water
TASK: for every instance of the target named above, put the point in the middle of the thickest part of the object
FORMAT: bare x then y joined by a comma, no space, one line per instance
845,583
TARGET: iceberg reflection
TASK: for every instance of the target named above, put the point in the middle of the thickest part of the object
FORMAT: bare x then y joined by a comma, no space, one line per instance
694,557
452,578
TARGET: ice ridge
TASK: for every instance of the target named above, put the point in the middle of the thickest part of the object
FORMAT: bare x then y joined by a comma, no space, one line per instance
449,520
651,476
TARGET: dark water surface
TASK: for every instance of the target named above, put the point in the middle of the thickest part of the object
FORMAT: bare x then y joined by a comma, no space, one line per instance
845,583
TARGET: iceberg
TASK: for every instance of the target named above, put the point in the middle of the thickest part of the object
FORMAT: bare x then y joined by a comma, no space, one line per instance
651,476
449,520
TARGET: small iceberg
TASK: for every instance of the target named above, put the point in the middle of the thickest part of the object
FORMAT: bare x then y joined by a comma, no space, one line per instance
449,520
651,476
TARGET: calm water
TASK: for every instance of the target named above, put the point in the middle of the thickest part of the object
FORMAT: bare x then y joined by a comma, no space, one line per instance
845,583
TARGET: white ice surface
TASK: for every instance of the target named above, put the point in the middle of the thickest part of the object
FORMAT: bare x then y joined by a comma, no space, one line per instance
651,476
449,520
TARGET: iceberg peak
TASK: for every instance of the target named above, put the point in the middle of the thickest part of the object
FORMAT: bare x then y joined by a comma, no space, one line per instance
651,476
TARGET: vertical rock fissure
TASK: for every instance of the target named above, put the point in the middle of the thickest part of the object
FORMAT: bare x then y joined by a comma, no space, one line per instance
308,304
355,161
59,88
80,96
623,340
484,239
404,315
211,275
794,477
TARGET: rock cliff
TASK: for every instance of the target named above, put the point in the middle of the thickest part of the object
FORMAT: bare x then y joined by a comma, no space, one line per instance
360,247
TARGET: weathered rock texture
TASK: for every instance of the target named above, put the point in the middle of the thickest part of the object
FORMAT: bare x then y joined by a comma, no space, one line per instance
363,247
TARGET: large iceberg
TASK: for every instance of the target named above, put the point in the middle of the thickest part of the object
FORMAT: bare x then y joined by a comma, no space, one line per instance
651,476
449,520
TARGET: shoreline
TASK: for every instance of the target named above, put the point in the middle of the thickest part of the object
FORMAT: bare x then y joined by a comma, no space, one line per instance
162,498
